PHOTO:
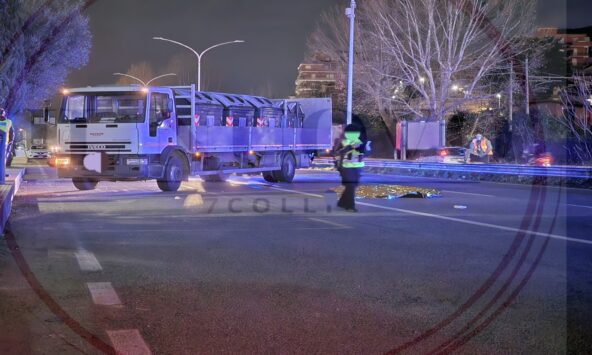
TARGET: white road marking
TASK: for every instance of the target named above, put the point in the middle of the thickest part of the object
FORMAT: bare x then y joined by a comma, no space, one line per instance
103,294
194,200
580,206
87,261
467,193
196,186
452,219
128,342
335,224
197,232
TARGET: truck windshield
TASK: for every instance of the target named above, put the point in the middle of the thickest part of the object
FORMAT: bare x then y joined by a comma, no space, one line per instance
124,107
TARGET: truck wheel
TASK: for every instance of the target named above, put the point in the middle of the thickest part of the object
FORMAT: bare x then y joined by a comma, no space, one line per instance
84,184
215,178
288,169
173,175
269,176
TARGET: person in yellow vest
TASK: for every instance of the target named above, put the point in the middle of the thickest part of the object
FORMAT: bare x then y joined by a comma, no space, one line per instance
350,164
7,128
481,147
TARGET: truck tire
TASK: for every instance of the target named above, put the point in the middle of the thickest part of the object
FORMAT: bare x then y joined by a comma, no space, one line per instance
215,178
85,184
174,175
269,176
288,169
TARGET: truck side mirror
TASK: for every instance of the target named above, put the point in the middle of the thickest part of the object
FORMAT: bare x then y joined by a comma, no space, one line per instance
171,107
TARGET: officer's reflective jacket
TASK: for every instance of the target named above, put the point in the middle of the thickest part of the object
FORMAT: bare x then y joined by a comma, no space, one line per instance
6,126
349,154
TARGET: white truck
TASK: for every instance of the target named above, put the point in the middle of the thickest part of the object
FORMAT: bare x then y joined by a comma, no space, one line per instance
115,133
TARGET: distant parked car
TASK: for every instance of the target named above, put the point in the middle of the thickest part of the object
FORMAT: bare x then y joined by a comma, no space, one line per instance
446,155
38,152
536,154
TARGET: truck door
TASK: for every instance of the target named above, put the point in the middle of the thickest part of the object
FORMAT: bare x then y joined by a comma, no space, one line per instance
161,128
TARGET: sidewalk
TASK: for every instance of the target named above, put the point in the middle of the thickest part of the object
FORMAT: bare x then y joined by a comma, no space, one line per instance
7,192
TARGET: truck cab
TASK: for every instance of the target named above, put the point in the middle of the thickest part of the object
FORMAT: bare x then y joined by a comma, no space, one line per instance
114,133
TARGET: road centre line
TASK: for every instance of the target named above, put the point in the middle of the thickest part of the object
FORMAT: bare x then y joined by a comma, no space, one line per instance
128,342
103,294
452,219
168,231
87,261
335,224
580,206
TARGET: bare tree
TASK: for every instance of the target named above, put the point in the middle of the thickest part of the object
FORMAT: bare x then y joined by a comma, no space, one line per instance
41,42
450,51
427,57
577,117
373,90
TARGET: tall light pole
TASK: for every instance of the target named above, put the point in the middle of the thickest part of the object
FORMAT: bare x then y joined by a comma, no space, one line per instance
197,54
142,81
351,13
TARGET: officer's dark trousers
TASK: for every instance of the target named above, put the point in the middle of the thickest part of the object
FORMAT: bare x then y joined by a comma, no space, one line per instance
350,178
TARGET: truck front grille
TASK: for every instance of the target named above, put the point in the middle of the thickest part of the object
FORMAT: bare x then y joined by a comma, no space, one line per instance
119,147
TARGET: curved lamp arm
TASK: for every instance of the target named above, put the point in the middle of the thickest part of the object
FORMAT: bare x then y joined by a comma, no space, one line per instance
131,76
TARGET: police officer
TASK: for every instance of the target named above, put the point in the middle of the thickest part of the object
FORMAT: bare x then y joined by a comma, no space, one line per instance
350,164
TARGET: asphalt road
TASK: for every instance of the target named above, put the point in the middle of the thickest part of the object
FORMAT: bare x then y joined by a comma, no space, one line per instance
249,267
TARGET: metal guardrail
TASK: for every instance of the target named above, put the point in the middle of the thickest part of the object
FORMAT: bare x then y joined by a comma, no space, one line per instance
498,169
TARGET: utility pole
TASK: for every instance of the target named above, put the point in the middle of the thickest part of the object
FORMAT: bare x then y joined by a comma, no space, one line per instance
527,89
351,13
511,98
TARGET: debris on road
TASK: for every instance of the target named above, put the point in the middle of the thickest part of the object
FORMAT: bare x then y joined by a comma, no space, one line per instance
390,192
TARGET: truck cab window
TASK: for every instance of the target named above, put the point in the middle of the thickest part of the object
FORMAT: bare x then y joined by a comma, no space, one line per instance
158,111
74,109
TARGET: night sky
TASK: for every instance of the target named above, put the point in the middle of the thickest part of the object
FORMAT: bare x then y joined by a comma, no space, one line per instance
275,32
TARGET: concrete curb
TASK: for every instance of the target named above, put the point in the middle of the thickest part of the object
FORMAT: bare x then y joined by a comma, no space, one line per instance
7,195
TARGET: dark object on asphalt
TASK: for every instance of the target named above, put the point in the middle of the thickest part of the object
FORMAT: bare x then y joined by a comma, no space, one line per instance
390,192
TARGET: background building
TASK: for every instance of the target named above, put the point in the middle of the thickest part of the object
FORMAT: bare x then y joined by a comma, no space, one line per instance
315,80
576,46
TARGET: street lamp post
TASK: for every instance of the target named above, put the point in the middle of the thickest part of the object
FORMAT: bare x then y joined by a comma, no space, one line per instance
499,101
142,81
198,55
351,13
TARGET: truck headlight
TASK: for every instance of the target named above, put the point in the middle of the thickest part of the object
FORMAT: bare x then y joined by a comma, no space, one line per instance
62,162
